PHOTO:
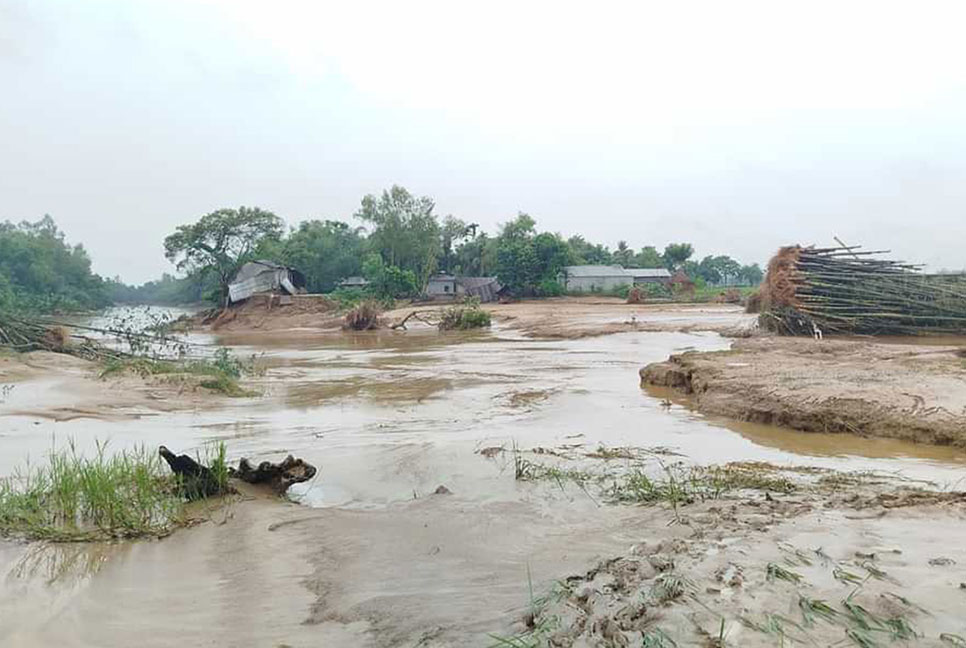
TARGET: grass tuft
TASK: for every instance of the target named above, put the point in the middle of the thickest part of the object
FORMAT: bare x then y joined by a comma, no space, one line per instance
75,498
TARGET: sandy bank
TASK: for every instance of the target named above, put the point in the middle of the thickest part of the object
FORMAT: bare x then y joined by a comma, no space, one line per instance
559,318
915,392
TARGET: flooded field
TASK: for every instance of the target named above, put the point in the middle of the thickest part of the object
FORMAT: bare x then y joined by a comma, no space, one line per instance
370,555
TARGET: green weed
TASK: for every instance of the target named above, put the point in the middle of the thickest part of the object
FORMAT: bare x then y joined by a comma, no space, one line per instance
72,497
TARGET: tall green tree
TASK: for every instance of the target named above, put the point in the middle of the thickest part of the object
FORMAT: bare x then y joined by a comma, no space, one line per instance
325,252
623,254
221,241
648,257
675,254
403,230
589,253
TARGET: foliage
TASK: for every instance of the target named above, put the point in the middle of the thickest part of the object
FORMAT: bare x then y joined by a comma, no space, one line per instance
466,316
363,317
648,257
325,252
405,233
219,373
167,291
528,263
221,241
73,497
40,271
388,282
675,254
585,253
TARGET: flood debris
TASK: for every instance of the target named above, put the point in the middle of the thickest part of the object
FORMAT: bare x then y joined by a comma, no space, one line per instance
278,476
197,481
815,291
364,317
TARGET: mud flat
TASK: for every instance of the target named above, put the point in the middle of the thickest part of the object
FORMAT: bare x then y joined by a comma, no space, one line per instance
912,391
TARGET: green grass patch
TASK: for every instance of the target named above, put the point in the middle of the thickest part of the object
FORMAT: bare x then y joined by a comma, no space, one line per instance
220,373
72,497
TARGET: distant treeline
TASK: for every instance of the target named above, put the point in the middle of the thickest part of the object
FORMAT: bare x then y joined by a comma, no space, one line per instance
401,242
40,271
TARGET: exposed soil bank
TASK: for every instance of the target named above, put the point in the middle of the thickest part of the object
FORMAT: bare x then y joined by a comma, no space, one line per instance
914,392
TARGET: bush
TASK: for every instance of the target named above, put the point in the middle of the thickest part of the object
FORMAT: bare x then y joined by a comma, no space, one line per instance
635,296
363,317
464,317
550,288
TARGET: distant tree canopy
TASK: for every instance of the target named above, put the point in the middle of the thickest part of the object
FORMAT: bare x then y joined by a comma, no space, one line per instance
39,270
405,233
404,245
325,252
222,240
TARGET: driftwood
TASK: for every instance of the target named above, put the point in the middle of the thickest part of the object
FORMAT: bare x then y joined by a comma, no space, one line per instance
418,315
279,476
197,481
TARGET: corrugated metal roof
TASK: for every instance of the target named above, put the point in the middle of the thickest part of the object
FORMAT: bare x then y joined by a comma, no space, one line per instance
648,272
614,271
595,271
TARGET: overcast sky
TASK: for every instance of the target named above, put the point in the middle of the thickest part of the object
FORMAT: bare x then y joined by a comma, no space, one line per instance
737,126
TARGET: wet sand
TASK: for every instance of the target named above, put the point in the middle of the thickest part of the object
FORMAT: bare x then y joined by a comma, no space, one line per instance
371,556
914,391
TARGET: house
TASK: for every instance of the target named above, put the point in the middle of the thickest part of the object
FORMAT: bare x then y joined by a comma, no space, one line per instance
259,277
353,283
602,278
441,285
486,289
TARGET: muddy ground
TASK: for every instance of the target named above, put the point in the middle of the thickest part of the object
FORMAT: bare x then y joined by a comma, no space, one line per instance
914,390
369,555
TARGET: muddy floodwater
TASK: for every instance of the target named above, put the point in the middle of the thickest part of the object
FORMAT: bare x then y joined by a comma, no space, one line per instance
369,555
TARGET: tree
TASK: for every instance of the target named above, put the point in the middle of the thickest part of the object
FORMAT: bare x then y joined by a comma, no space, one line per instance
389,282
648,257
624,255
589,253
325,252
751,274
40,271
405,232
453,231
476,257
221,241
675,254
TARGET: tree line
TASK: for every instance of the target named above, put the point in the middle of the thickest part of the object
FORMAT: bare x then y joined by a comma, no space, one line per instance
402,242
399,243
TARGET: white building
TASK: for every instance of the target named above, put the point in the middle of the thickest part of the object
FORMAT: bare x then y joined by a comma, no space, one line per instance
601,278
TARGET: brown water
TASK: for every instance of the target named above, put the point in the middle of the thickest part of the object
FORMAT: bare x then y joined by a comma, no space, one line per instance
387,417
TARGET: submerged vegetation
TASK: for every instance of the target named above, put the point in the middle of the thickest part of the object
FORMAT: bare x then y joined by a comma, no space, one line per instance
219,373
73,497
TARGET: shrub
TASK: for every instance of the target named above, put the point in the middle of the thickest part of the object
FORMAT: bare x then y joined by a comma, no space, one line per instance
464,317
550,288
635,296
363,317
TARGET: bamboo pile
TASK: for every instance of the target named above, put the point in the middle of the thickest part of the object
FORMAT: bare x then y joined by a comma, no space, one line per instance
843,290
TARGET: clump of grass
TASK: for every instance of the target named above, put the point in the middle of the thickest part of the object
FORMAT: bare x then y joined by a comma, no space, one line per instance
220,373
953,639
363,317
468,316
774,571
72,497
669,586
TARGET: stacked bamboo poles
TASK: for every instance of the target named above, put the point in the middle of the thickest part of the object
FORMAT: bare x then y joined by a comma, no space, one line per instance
847,291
